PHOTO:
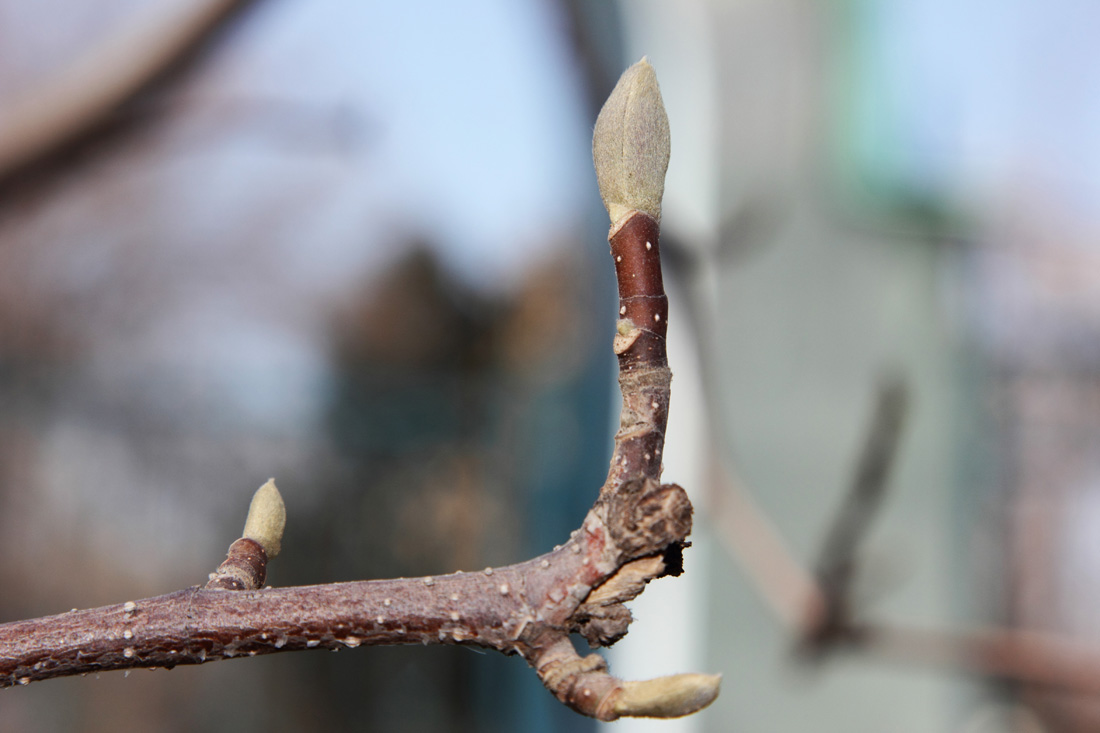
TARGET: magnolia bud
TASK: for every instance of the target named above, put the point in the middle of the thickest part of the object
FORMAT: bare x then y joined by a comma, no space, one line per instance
266,519
630,145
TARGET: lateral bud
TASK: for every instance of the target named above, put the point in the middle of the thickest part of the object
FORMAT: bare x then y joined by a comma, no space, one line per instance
266,518
666,697
245,566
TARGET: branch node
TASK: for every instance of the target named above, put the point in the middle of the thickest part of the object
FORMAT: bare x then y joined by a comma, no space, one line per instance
245,566
626,333
644,516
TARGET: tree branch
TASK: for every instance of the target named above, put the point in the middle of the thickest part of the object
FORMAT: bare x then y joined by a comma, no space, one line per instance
635,532
818,609
65,108
836,567
790,591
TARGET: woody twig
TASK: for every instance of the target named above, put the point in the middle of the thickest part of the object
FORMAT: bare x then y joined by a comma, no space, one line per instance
635,532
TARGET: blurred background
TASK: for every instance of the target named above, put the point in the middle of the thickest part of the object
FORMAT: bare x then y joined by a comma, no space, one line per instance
358,247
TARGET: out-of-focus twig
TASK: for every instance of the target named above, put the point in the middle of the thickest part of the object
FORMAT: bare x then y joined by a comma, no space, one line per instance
836,566
817,609
1021,655
755,543
57,112
808,604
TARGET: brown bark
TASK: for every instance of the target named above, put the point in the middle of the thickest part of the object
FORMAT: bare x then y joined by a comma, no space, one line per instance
634,533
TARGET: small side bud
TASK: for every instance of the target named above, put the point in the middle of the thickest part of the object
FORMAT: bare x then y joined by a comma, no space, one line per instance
630,145
667,697
626,333
266,519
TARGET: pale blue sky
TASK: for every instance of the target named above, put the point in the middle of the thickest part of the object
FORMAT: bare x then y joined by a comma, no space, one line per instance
474,114
983,98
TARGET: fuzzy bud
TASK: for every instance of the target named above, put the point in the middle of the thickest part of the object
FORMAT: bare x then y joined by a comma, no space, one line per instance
266,519
630,145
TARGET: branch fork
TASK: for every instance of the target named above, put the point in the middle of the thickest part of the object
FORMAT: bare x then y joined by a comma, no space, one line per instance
635,532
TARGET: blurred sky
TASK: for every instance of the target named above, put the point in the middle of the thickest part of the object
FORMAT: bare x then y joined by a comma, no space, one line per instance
467,109
367,128
982,100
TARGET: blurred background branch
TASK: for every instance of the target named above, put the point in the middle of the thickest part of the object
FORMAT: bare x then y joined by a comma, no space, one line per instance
50,116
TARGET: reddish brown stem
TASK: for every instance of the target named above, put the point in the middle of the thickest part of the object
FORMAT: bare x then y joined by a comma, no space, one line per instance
640,514
516,609
634,533
635,248
192,626
644,376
